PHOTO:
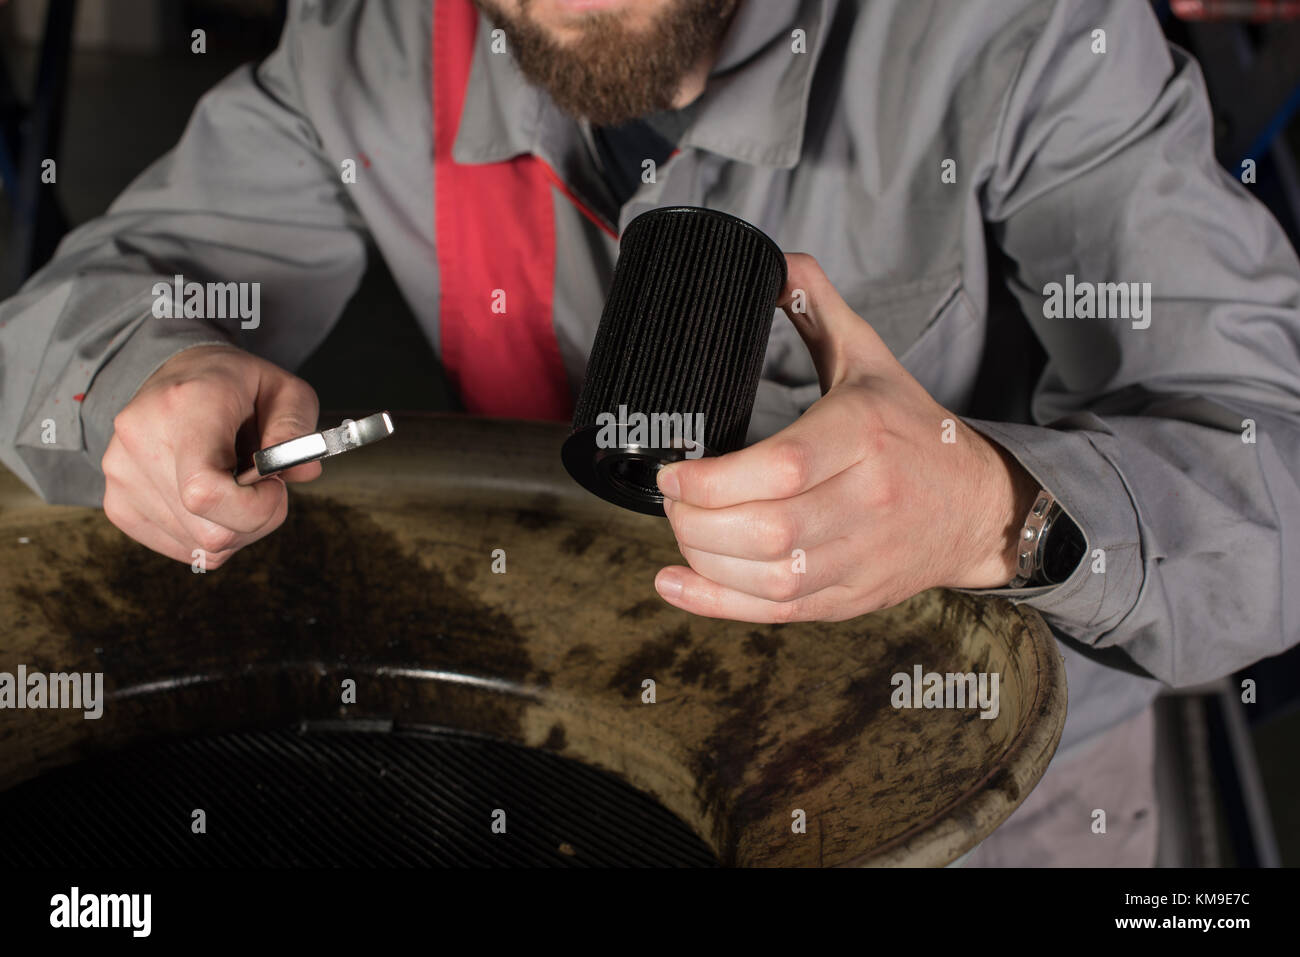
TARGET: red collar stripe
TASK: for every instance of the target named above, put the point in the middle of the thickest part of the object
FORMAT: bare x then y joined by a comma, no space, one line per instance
495,235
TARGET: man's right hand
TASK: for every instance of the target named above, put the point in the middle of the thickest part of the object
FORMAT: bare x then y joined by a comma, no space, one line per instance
169,465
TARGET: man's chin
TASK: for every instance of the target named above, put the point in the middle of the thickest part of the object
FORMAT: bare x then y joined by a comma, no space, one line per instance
545,12
572,23
612,60
579,7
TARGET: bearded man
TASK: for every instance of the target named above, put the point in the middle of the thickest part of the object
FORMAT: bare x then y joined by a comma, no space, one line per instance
938,171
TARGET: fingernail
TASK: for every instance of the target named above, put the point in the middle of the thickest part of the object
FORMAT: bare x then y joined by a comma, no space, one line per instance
668,483
668,585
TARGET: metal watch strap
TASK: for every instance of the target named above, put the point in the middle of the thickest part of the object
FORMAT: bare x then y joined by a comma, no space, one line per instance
1029,544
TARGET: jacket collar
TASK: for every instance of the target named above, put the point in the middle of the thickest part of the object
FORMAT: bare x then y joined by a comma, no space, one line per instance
504,116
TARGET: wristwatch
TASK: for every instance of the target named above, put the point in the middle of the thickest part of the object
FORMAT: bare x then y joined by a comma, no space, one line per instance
1050,545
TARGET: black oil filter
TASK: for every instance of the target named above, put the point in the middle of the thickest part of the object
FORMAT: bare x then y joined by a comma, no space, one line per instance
678,353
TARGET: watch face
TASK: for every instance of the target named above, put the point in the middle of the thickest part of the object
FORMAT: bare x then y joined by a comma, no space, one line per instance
1063,547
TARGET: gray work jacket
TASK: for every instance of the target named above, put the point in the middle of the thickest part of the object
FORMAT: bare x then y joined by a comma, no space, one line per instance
910,145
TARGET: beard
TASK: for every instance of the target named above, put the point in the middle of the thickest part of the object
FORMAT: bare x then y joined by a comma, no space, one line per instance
610,74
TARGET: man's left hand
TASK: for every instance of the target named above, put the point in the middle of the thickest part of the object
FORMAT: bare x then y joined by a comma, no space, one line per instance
875,494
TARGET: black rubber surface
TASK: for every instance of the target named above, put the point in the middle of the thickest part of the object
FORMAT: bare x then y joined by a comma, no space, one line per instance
334,796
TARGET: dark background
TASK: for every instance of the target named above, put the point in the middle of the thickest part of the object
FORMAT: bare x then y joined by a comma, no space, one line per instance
109,90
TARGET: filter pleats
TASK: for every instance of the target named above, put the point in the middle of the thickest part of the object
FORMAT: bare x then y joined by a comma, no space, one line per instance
685,327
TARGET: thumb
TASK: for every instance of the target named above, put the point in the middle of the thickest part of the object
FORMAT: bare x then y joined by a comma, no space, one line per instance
842,343
287,407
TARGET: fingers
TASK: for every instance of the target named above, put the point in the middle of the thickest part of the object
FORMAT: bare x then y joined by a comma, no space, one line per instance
747,560
201,482
759,531
834,434
840,341
785,579
784,530
691,592
288,407
133,505
150,532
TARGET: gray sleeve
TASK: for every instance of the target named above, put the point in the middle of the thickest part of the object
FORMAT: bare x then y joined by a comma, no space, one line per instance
1175,447
247,196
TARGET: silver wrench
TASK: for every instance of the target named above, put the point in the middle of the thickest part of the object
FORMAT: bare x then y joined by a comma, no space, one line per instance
316,445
